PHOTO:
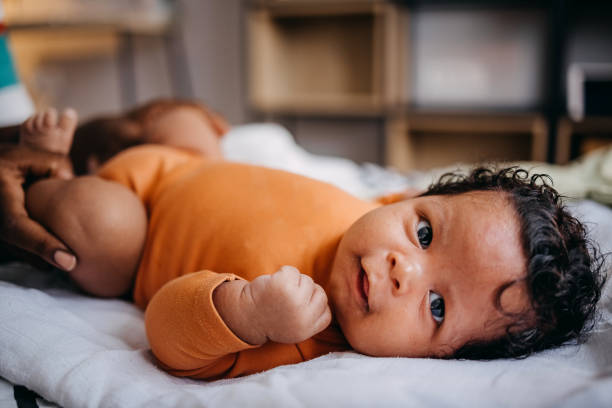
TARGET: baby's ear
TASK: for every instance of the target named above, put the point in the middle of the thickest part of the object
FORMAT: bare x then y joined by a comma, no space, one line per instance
218,123
398,196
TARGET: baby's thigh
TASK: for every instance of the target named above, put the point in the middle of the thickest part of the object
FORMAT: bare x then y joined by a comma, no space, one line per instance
102,222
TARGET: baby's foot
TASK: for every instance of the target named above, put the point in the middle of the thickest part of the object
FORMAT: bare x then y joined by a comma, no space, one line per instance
49,131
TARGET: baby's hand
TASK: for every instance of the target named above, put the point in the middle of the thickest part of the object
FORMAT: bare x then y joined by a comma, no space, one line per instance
288,307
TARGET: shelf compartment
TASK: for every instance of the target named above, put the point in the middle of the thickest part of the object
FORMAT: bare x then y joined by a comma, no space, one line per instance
427,140
325,58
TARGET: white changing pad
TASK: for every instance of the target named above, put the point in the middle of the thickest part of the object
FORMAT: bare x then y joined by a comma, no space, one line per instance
79,351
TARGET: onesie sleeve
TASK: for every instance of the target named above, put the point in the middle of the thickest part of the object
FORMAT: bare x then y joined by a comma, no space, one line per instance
141,168
185,330
190,339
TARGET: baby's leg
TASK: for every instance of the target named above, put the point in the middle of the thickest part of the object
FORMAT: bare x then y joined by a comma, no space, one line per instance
103,223
49,131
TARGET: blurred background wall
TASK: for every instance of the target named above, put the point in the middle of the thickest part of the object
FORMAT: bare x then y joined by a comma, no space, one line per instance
89,76
413,84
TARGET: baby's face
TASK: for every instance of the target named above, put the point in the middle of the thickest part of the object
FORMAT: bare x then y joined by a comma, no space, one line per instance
420,277
187,128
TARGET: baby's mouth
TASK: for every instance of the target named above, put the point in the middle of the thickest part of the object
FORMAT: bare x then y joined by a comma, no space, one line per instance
364,287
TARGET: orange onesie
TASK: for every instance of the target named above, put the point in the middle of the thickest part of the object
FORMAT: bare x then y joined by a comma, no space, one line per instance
214,221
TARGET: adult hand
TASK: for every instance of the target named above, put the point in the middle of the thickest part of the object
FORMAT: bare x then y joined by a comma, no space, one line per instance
18,232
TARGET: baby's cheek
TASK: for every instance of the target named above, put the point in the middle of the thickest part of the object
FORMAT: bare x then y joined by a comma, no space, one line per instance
393,333
367,336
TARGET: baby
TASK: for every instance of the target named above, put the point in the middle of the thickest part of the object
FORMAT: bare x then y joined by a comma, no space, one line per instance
479,266
180,123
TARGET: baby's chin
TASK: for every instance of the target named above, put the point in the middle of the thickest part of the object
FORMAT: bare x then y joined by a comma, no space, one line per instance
358,343
361,342
369,349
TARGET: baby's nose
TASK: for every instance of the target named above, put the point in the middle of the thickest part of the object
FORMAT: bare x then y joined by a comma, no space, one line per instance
405,272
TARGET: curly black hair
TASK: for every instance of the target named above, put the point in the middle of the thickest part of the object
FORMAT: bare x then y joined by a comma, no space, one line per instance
564,275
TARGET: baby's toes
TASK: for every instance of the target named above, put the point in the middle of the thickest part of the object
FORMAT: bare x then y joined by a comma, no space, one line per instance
49,120
27,127
68,121
63,132
39,122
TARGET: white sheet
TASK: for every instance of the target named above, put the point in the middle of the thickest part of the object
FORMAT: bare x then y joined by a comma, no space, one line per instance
84,352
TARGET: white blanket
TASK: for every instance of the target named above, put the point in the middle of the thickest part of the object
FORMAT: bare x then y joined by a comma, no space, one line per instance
79,351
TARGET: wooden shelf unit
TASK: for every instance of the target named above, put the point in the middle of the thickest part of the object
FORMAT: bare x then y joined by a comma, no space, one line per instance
339,58
336,57
426,140
152,18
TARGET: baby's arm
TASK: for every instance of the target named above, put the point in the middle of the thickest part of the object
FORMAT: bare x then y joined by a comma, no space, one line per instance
203,324
286,307
103,223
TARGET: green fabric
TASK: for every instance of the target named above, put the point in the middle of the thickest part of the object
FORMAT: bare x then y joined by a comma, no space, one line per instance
8,76
589,176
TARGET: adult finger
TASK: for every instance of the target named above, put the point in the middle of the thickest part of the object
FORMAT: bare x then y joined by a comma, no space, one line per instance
32,237
36,163
48,167
40,164
18,230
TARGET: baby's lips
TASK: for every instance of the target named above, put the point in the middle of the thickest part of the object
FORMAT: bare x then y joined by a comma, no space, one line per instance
371,283
366,285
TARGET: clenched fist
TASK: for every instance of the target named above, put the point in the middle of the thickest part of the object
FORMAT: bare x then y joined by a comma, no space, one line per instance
285,307
288,306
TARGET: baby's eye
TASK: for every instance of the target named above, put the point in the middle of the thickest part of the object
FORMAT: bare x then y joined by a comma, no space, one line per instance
436,305
424,233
